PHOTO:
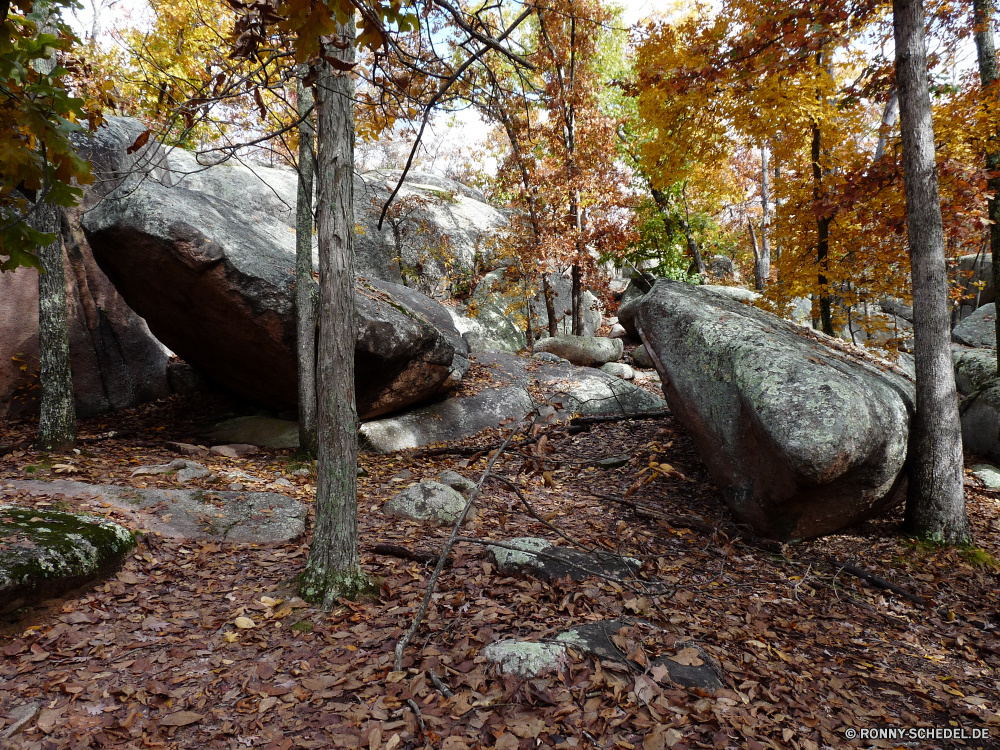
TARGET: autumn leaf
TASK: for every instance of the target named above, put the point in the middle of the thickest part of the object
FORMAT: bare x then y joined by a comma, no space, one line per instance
181,719
687,657
244,623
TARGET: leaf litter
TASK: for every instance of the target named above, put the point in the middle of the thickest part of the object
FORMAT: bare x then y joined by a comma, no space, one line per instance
205,644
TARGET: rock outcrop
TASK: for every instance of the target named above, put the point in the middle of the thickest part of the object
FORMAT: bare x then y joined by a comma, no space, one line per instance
802,439
978,329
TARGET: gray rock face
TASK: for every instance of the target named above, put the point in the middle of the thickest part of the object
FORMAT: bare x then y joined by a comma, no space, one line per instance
980,415
737,293
215,285
628,305
428,501
46,552
526,658
253,517
979,329
641,358
542,559
802,440
973,369
585,391
457,482
585,351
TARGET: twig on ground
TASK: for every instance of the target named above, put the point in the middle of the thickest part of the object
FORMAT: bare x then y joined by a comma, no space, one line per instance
878,582
439,684
432,583
394,550
606,418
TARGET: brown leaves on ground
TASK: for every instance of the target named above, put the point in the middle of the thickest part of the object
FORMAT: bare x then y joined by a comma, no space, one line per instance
205,645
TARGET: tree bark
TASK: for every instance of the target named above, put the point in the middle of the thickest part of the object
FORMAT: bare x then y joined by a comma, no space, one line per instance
550,306
692,243
935,505
577,301
57,418
334,567
762,265
758,280
889,116
822,235
989,73
306,289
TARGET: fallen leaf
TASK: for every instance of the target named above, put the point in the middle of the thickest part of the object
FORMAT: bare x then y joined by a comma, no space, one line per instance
181,719
244,623
688,657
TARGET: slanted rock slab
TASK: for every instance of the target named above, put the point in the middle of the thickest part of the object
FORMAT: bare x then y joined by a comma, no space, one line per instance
979,329
428,501
585,351
542,559
45,552
252,517
801,438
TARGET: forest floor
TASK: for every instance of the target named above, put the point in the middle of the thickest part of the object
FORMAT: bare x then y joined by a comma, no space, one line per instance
151,658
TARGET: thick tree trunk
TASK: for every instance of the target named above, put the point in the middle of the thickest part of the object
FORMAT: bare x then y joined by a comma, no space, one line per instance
57,419
935,506
334,569
762,264
758,280
306,290
822,236
988,76
692,243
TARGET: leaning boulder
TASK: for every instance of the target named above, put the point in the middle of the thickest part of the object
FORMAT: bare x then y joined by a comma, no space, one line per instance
979,329
584,351
802,439
216,285
46,552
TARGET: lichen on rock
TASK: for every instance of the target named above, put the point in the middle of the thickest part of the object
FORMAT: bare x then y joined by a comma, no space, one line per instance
526,659
46,552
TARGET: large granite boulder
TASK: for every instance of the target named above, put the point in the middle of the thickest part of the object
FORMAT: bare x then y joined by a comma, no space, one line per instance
978,329
802,439
215,284
629,303
504,394
116,361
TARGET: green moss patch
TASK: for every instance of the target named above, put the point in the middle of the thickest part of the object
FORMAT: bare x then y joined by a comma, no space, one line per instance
44,553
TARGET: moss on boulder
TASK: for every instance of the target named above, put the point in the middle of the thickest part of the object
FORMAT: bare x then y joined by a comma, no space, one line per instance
44,553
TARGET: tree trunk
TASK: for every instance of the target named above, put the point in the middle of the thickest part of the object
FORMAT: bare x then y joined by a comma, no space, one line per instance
822,234
758,279
935,505
334,568
889,116
306,290
762,265
550,306
699,261
988,76
577,305
57,420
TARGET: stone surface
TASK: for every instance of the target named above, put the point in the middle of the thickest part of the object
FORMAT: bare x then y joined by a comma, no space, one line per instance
18,718
457,482
586,391
619,370
263,432
988,475
979,329
525,658
235,450
641,358
252,517
585,351
542,559
723,268
46,552
802,440
428,501
737,293
184,470
980,414
216,287
628,305
617,331
186,449
973,369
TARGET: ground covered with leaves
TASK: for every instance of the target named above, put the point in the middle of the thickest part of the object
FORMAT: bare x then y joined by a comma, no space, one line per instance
205,645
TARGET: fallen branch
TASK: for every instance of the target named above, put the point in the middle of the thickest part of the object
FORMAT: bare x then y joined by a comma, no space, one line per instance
603,418
439,684
448,450
878,582
432,583
394,550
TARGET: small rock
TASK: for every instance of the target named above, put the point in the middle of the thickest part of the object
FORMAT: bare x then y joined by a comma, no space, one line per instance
641,358
988,475
684,668
619,370
457,482
524,658
237,487
186,470
611,462
541,558
428,501
281,482
548,357
19,718
235,450
300,473
192,471
186,449
617,331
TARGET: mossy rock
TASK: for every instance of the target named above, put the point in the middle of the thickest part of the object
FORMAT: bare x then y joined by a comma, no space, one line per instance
44,553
